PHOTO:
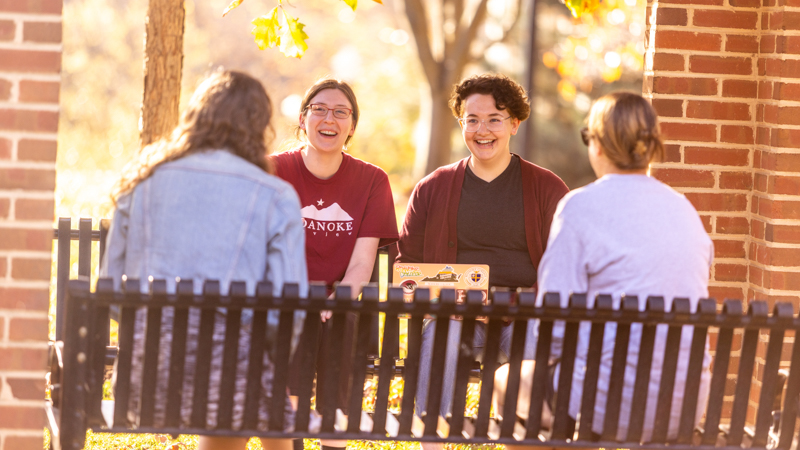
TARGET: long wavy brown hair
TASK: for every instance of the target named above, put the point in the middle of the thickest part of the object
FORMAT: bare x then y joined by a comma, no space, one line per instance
229,110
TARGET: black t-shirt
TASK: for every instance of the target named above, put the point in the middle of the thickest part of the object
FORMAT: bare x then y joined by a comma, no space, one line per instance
491,227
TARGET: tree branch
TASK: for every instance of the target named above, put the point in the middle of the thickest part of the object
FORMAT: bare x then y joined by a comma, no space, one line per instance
464,38
417,19
506,31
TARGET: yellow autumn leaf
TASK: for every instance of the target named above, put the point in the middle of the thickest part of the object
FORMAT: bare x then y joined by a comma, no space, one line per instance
231,6
293,38
266,30
581,7
351,3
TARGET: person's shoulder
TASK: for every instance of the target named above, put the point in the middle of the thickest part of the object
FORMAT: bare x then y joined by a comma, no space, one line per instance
442,174
542,176
363,166
282,159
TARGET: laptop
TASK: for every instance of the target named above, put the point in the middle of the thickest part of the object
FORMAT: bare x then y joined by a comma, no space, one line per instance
436,277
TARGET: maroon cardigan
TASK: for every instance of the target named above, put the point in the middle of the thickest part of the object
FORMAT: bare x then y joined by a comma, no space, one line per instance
429,233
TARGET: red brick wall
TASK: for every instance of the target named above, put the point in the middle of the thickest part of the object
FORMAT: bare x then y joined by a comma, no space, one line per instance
725,77
30,63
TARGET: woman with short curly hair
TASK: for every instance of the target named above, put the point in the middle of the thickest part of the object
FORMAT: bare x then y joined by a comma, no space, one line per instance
491,208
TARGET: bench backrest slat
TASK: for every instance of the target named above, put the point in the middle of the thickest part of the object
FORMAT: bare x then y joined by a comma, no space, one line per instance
411,369
570,345
593,357
541,369
85,247
617,378
789,414
62,273
150,367
309,346
668,371
177,363
490,354
230,357
744,377
386,371
512,384
333,353
694,374
719,376
202,372
359,366
783,311
124,359
643,369
437,362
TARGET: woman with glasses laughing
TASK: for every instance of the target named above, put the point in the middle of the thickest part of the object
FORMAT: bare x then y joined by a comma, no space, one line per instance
347,205
491,208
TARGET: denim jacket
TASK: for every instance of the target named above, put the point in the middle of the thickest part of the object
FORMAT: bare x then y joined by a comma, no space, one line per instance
208,216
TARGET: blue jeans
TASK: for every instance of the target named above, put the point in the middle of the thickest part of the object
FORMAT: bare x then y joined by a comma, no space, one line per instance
451,358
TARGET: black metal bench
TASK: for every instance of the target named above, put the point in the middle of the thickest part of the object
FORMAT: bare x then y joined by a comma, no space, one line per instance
78,372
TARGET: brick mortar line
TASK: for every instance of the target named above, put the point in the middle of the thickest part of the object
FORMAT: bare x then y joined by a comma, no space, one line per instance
17,135
24,164
769,244
30,106
29,254
26,195
32,46
771,196
28,345
17,76
789,222
30,224
691,28
23,403
22,373
692,120
712,98
20,284
25,314
36,16
770,268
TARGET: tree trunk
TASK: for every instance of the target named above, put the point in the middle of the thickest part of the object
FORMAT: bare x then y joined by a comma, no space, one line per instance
440,143
163,62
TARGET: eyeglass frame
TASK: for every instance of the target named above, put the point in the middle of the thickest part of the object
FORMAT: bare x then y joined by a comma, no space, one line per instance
586,136
482,122
326,109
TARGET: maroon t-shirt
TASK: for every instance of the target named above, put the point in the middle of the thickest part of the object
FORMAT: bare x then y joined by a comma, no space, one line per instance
355,202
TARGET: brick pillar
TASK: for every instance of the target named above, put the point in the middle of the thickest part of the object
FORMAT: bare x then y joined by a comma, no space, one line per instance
30,64
724,75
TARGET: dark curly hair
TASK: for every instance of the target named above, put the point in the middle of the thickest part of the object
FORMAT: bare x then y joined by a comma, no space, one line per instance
507,93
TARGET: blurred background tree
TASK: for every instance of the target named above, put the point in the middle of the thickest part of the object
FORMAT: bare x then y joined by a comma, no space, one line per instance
577,60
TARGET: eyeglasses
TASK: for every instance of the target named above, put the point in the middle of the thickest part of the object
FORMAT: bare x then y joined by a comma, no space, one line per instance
322,110
586,136
471,124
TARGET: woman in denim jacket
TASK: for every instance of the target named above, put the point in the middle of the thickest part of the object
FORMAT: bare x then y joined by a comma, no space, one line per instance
202,205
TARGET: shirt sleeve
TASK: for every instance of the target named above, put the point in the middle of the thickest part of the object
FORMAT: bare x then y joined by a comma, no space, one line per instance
379,218
412,234
555,190
563,270
286,258
116,242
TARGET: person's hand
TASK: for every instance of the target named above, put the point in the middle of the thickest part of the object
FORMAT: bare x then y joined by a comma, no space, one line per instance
325,315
